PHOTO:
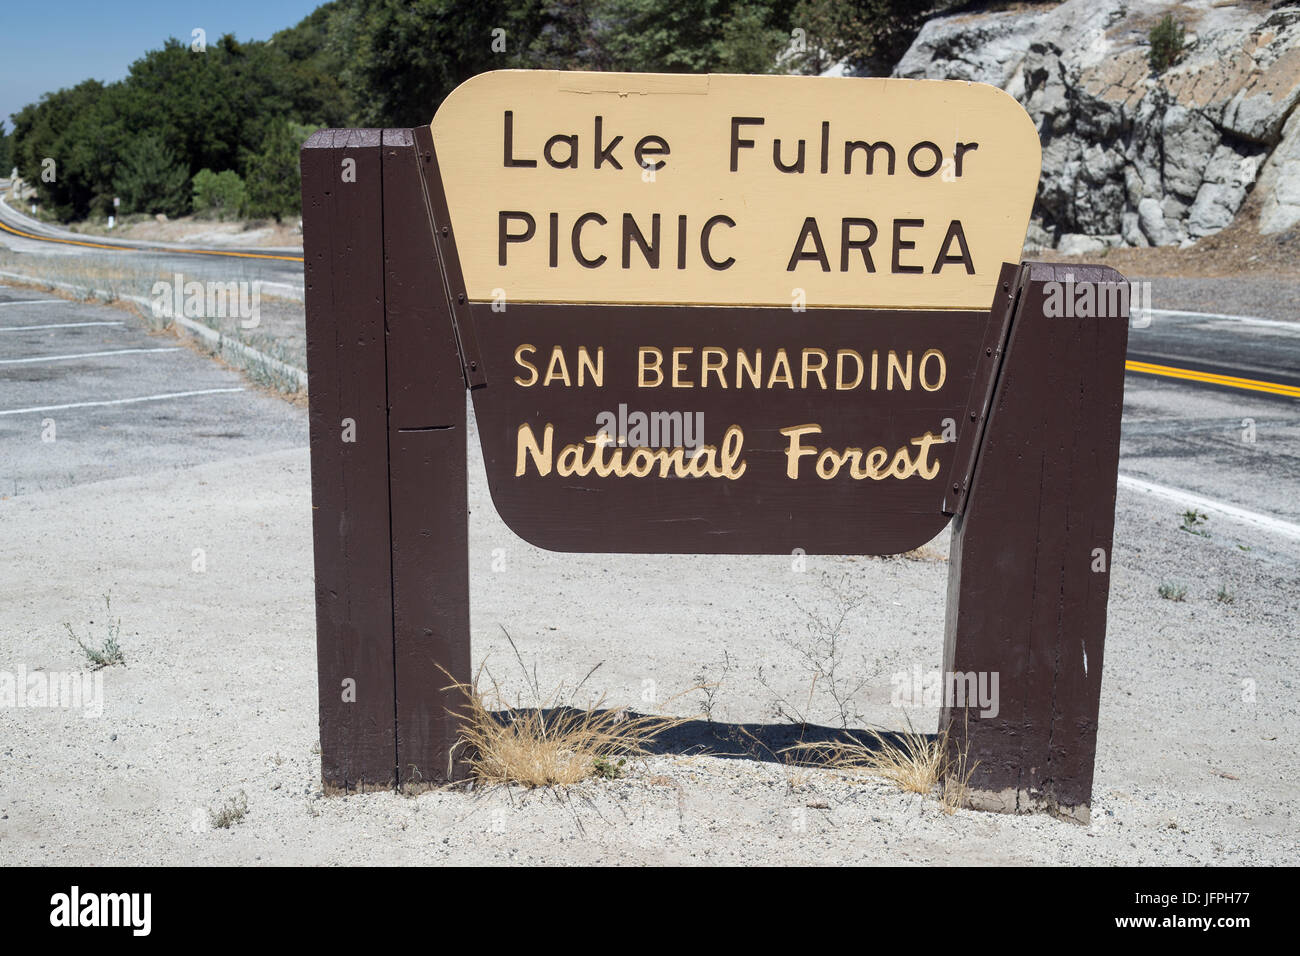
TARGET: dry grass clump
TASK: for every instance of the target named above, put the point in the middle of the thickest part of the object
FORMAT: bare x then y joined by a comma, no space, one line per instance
911,761
552,743
231,812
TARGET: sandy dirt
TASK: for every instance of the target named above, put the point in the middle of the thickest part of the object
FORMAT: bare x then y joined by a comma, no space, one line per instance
1196,762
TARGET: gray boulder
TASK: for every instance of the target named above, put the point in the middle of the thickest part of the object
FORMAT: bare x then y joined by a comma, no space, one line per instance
1162,160
1279,182
1151,221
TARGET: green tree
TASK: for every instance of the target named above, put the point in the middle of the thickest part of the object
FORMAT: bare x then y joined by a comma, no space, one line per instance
212,105
652,36
215,109
750,44
66,146
273,182
824,27
312,67
868,35
568,38
695,36
6,152
221,195
150,178
404,56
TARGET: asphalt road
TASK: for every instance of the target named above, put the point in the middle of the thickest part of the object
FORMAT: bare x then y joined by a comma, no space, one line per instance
1238,443
279,269
1260,352
86,394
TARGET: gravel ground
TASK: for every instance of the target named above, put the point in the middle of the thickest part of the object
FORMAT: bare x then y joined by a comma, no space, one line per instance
1266,298
1197,753
95,442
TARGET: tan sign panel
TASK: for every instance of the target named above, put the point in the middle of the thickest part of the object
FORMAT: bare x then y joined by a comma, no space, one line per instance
735,190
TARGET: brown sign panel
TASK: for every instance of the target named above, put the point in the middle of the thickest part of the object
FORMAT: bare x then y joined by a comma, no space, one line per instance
715,430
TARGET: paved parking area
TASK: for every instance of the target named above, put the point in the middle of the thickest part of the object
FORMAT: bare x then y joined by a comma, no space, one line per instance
87,393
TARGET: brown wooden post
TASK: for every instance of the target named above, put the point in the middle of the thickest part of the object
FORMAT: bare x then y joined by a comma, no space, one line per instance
347,381
1031,552
427,475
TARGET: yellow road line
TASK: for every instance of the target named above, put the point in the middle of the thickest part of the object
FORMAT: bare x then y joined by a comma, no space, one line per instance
192,252
1231,381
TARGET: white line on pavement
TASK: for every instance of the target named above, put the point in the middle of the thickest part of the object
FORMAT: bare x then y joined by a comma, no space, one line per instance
59,358
219,342
1251,319
54,325
117,401
1189,500
36,302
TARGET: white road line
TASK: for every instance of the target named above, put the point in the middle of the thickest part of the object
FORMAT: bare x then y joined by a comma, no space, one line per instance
1189,500
1251,319
54,325
37,302
117,401
59,358
219,342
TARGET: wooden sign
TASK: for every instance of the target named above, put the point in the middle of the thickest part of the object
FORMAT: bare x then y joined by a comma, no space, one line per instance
735,190
767,383
662,428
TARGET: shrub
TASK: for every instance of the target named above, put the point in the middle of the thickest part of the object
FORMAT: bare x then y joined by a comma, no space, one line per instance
220,195
1166,44
109,653
1172,591
233,811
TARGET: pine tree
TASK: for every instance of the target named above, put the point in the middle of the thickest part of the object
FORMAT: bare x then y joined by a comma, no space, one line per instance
273,184
149,178
6,151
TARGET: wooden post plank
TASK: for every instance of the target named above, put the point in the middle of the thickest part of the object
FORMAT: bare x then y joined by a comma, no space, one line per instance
970,431
427,477
346,369
1103,343
1026,596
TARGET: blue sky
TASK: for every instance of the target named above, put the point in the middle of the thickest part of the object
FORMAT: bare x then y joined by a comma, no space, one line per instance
48,45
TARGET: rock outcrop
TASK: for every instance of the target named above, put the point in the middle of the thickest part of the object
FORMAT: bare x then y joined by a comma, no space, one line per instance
1131,158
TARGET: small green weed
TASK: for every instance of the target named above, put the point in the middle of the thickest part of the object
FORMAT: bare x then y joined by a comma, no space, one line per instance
109,653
